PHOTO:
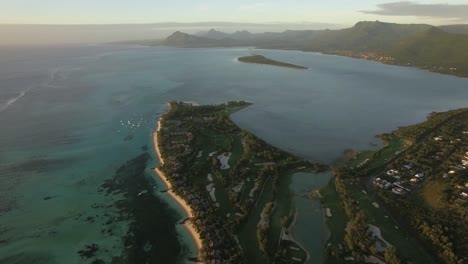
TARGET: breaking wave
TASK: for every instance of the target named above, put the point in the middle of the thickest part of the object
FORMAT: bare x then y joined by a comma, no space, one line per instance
13,100
53,76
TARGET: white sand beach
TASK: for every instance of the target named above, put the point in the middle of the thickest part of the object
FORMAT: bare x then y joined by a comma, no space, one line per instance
189,225
155,141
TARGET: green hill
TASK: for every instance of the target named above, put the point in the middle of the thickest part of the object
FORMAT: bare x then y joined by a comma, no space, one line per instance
419,45
365,36
457,29
435,50
180,39
212,34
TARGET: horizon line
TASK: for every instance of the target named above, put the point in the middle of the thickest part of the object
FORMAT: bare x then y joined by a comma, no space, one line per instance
174,22
271,23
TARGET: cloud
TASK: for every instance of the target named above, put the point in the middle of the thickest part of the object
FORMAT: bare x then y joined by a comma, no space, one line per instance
407,8
259,7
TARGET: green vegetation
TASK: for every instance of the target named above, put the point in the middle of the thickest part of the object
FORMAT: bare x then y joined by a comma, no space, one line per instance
364,36
336,224
415,132
415,194
435,50
457,29
422,46
237,184
433,193
259,59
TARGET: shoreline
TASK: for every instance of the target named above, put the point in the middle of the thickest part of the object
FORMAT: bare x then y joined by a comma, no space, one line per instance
155,142
187,209
292,227
262,60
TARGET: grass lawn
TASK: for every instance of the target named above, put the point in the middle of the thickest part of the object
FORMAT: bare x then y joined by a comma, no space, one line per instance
247,187
282,209
406,245
205,144
237,150
336,223
432,192
215,139
386,153
222,198
248,229
363,155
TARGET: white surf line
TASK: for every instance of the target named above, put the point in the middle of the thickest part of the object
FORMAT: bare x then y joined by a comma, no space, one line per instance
51,78
13,100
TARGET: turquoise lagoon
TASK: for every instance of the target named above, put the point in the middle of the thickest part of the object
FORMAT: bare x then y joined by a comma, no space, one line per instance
71,117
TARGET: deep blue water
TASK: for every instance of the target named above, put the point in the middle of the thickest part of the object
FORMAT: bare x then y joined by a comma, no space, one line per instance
62,109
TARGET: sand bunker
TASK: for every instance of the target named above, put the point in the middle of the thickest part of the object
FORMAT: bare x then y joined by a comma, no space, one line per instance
211,189
252,191
238,188
380,243
224,159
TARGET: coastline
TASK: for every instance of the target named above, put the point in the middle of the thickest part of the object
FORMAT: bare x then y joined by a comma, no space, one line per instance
292,227
188,210
156,144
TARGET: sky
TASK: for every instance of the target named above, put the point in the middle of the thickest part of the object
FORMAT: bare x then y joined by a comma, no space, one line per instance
45,22
339,12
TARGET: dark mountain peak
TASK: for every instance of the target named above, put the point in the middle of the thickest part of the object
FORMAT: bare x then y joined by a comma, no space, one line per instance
178,34
457,29
376,23
435,30
374,26
212,34
181,39
244,34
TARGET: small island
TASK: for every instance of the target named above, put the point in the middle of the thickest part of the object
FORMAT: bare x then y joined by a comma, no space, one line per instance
233,186
259,59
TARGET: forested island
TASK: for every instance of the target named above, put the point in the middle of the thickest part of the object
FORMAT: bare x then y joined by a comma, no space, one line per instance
259,59
407,202
235,187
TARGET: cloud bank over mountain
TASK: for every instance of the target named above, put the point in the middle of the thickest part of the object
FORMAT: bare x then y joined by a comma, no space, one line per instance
455,12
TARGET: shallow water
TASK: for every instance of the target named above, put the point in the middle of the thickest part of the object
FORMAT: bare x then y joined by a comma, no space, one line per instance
310,229
65,114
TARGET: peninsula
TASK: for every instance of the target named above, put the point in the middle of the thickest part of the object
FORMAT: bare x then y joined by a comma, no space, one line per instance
404,203
233,186
259,59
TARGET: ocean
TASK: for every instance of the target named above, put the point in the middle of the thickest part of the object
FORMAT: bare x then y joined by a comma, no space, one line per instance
76,125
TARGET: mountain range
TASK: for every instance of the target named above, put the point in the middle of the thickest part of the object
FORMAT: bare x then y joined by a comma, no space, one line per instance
440,49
